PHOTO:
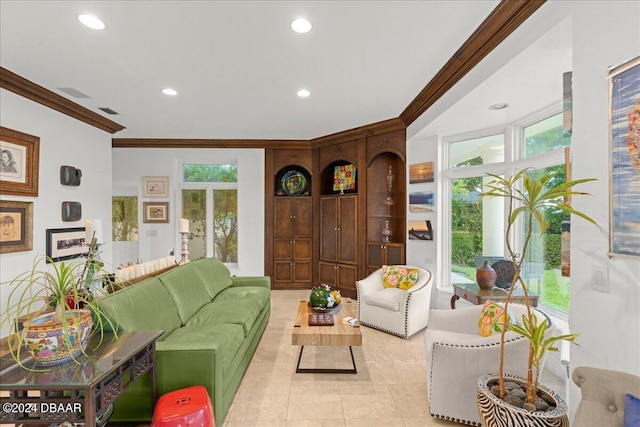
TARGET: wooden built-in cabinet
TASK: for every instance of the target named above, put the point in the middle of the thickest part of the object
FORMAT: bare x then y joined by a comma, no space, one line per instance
324,236
292,240
382,253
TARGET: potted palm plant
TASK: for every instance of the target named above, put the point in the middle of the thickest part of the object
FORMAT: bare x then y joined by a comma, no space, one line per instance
61,312
527,198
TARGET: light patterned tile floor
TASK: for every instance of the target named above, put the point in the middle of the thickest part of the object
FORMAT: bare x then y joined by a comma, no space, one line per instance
389,389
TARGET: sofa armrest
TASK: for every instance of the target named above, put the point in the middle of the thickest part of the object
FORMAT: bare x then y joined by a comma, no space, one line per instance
262,281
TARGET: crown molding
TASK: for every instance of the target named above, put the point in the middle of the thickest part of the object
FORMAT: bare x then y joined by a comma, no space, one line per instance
502,21
208,143
26,88
372,129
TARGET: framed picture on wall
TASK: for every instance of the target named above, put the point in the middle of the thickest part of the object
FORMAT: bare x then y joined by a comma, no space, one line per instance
19,163
66,243
421,201
421,172
624,135
16,226
157,212
155,186
420,230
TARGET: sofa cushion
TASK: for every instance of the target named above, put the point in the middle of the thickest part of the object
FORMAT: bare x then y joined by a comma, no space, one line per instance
131,309
187,290
214,274
631,411
223,339
389,298
394,276
260,295
243,312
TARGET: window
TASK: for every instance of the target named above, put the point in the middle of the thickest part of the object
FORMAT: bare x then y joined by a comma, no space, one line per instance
124,218
210,202
476,227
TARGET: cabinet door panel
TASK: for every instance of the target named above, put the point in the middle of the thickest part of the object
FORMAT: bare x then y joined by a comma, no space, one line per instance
395,254
347,277
302,217
301,249
282,249
348,239
328,229
282,217
302,272
327,274
282,272
375,255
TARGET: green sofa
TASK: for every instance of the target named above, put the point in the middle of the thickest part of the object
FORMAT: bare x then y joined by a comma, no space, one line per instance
212,324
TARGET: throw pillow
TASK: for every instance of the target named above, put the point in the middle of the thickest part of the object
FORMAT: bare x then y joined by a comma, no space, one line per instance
394,276
492,319
632,411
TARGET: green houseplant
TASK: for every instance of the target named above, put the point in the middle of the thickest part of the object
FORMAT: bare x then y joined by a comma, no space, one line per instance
527,198
54,297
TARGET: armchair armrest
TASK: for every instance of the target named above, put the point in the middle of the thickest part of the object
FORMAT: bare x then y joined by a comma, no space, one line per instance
371,283
462,320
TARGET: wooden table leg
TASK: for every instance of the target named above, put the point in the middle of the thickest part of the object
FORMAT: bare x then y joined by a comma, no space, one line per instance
454,298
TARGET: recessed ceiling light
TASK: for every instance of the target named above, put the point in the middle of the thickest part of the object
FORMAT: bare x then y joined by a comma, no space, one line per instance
91,21
498,106
169,91
303,93
301,25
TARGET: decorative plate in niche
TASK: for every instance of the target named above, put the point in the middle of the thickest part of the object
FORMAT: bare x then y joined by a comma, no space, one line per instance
293,183
504,271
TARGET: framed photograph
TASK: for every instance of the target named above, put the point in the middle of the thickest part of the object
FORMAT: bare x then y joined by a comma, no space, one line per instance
421,201
421,172
624,125
155,186
19,163
157,212
420,230
16,226
66,243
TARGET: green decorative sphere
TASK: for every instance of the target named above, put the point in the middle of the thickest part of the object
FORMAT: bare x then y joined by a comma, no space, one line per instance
319,297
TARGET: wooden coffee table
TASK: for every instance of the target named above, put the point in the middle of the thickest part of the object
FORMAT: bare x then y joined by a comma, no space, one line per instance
336,335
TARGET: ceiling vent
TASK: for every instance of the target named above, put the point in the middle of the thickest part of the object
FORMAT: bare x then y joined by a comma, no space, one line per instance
108,111
73,92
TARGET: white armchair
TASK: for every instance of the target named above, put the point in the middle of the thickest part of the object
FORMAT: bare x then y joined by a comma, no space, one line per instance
396,311
457,355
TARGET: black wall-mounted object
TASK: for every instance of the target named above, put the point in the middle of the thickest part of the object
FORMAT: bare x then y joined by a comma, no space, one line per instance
71,211
70,176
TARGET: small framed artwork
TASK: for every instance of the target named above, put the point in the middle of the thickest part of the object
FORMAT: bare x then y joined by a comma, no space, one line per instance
19,163
16,226
66,243
420,230
157,212
421,201
155,186
344,178
421,172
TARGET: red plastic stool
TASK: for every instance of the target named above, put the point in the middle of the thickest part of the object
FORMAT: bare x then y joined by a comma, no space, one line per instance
189,406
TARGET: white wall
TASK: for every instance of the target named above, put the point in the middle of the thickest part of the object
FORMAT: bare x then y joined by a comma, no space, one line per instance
63,141
156,240
605,34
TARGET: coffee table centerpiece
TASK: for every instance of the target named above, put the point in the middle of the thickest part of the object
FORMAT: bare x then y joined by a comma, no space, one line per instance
323,299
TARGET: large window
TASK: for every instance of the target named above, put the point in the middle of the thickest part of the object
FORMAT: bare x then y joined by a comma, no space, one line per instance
477,227
210,202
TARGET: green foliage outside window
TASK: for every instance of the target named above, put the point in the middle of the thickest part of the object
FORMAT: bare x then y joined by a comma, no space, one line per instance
210,173
124,218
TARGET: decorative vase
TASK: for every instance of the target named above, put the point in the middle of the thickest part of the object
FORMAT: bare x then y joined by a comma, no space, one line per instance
486,277
47,342
495,412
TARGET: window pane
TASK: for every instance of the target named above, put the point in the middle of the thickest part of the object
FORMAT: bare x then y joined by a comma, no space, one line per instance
210,173
543,271
476,228
544,136
194,208
225,225
124,218
478,151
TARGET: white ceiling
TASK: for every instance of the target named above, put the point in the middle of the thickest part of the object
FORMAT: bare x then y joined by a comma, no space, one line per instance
237,65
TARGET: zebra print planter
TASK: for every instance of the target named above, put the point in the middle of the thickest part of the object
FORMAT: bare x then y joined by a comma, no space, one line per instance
495,412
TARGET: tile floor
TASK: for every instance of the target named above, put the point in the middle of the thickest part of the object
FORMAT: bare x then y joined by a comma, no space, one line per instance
388,390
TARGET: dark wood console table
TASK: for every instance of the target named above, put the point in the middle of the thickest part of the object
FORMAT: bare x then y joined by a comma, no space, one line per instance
76,392
472,293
